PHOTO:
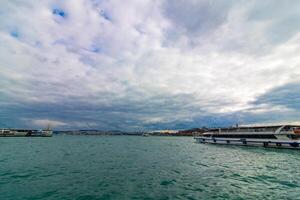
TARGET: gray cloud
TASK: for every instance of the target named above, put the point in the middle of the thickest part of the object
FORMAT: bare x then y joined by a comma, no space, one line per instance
287,95
197,17
147,65
283,18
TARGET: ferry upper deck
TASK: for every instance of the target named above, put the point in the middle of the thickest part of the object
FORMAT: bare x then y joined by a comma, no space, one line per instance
274,136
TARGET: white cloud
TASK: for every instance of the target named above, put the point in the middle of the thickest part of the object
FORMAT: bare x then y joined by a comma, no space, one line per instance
46,122
112,53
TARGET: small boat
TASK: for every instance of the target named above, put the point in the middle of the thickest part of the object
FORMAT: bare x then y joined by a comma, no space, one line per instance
279,136
145,135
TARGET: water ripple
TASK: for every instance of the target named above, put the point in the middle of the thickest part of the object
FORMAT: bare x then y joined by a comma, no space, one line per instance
77,167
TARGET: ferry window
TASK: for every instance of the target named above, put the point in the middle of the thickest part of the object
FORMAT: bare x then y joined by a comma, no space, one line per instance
257,136
294,137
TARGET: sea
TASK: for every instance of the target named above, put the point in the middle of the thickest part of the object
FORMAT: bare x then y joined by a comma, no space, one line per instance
146,168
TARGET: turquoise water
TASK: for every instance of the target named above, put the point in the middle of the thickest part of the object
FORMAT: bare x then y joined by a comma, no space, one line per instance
133,167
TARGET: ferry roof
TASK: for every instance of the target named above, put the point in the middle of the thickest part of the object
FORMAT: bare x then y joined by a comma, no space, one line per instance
18,129
254,127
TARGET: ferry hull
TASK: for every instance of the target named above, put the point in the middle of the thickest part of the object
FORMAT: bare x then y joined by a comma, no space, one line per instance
286,144
26,133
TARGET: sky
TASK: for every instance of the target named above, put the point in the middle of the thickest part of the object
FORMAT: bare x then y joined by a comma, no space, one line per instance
148,64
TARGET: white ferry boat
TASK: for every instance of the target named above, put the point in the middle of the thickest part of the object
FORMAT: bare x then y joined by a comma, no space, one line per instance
280,136
25,133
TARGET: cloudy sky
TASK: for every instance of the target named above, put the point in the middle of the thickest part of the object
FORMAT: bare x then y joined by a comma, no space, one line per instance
148,64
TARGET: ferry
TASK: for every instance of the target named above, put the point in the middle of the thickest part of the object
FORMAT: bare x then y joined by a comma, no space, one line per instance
7,132
279,136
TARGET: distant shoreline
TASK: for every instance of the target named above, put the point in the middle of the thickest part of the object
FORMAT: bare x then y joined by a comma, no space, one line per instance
168,133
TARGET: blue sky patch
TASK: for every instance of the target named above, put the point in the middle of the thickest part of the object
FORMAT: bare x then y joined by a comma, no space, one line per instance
105,15
59,12
15,34
95,49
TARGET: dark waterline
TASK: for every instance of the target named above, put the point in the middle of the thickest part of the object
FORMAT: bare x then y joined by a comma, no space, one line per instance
127,167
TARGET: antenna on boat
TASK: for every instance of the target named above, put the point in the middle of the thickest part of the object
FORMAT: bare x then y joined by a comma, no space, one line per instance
48,127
